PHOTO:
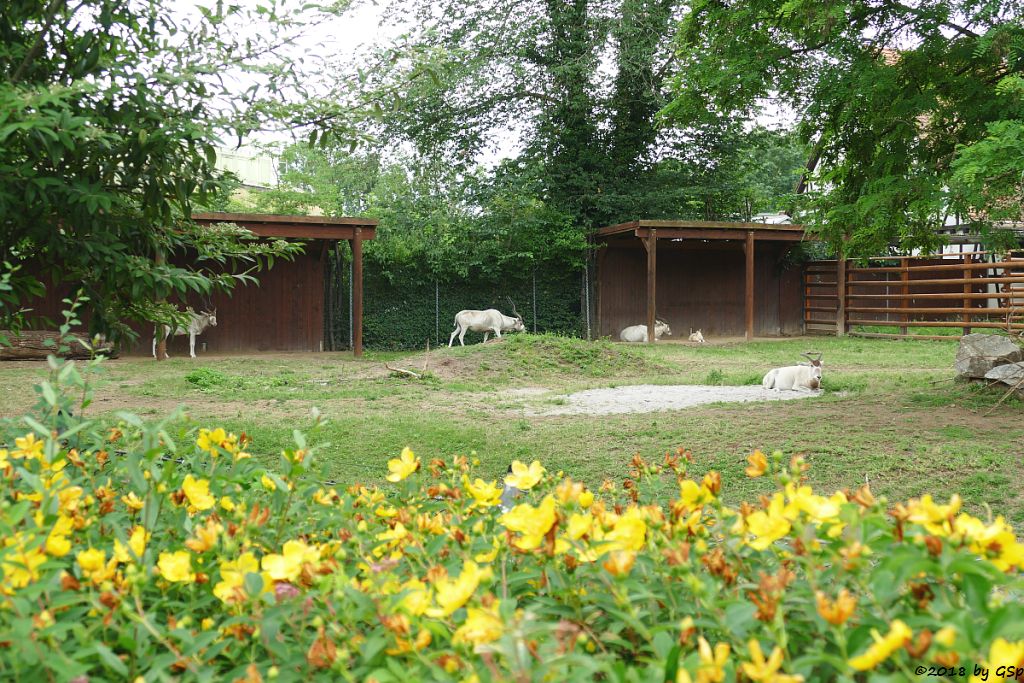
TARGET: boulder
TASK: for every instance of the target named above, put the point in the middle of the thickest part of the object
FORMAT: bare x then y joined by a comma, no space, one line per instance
979,353
1011,373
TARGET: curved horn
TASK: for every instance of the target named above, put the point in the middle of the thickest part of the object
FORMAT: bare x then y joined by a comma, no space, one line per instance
513,305
813,356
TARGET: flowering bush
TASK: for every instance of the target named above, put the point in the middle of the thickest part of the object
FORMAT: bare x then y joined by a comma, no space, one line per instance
134,552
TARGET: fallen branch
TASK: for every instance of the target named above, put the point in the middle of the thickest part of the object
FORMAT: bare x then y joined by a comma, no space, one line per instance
1013,389
403,371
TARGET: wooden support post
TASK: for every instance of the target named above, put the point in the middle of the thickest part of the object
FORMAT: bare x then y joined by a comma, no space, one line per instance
904,291
968,289
159,330
357,293
841,293
749,280
652,271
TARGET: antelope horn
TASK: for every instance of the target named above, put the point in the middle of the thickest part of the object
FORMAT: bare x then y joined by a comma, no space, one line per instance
813,356
513,305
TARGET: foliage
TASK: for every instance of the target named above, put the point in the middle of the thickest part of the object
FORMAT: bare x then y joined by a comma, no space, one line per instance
132,549
109,113
889,94
402,314
574,88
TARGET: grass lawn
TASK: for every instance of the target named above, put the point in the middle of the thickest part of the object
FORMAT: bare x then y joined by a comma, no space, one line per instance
887,416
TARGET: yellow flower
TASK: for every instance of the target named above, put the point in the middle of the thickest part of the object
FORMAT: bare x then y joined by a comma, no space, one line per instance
946,636
579,525
490,554
532,523
525,478
932,516
485,494
482,626
20,565
210,441
231,588
620,562
57,543
95,566
416,599
206,536
132,501
136,544
758,464
226,503
767,670
628,533
692,495
404,465
712,663
268,483
1003,653
836,613
586,499
198,493
28,446
883,648
768,526
288,565
451,595
176,567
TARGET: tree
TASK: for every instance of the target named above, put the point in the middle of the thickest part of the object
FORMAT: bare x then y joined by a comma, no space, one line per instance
538,70
890,95
109,113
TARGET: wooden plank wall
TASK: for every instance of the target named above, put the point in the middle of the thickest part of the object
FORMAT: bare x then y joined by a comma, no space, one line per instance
908,292
700,287
284,312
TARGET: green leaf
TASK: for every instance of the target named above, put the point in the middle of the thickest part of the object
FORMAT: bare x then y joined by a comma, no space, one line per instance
110,659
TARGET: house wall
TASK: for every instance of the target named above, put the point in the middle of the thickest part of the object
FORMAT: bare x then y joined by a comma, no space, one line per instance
284,312
699,285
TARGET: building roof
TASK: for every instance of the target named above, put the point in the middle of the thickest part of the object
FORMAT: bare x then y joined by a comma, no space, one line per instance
296,227
705,230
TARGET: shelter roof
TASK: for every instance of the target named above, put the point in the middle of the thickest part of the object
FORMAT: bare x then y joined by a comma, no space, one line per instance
298,227
704,230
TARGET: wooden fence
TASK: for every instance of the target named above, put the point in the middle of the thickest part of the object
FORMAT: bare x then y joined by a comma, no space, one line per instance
974,290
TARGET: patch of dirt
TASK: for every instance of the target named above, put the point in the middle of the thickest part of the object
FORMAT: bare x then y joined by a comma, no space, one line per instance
649,398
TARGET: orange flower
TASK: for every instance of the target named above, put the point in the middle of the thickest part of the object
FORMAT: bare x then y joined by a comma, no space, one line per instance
837,612
758,464
620,562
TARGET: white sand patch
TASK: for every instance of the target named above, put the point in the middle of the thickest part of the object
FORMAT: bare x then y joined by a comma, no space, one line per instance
649,398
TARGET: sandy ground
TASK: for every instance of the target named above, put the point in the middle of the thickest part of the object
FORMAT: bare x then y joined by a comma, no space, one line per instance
649,398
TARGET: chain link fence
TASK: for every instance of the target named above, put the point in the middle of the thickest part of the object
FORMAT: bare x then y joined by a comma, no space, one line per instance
404,311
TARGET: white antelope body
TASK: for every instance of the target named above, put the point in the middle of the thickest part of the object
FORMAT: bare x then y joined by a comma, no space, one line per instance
198,323
638,333
488,321
697,336
795,377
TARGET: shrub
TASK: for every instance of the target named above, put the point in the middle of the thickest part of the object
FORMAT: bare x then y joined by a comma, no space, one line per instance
132,550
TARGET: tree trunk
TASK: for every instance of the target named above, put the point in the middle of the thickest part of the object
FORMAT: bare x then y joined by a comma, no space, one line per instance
38,344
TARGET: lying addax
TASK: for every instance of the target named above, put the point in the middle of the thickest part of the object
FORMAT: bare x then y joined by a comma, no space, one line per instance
796,377
198,322
638,333
490,320
697,336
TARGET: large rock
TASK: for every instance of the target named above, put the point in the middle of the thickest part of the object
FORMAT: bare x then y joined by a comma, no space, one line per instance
979,353
1011,373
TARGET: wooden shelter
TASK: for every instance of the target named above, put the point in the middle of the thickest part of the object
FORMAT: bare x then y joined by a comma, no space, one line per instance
285,311
724,278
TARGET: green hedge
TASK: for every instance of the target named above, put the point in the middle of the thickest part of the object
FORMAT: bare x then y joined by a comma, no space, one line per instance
401,312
